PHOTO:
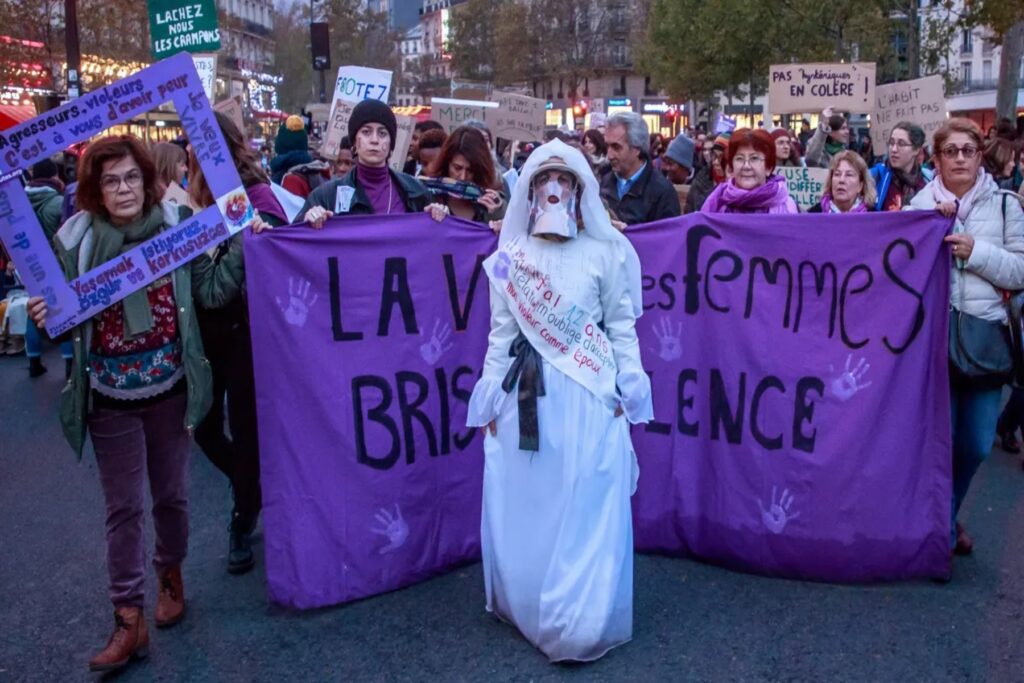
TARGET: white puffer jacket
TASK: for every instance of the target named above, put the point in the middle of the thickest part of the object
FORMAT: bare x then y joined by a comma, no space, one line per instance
997,260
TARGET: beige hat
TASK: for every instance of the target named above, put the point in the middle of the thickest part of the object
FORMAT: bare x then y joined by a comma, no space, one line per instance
553,164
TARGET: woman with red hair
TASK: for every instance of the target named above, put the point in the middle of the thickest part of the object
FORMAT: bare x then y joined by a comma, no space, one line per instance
752,187
140,382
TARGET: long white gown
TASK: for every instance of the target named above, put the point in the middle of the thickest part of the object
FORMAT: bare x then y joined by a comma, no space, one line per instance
557,532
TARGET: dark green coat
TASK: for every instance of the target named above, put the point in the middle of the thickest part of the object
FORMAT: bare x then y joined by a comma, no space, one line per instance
200,280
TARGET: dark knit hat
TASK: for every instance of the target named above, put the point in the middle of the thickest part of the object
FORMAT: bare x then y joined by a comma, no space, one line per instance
373,111
292,136
681,151
46,168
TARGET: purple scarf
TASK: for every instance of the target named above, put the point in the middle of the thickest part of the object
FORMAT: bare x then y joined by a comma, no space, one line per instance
380,188
772,197
858,207
262,197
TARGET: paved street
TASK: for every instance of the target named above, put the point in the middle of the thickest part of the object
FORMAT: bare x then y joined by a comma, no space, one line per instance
691,622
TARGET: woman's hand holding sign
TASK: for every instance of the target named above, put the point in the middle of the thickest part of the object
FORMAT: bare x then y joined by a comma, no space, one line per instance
37,311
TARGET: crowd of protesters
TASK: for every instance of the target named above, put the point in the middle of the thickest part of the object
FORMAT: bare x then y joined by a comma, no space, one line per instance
187,334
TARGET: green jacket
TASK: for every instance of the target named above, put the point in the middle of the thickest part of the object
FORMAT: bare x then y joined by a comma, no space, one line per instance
199,281
47,203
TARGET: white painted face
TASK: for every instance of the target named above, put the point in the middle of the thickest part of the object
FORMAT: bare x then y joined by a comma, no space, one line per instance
553,204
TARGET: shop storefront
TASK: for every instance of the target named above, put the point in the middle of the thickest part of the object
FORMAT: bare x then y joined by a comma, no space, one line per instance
664,117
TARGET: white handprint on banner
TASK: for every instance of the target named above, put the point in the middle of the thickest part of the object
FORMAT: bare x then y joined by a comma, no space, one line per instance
669,339
393,527
778,514
847,383
438,345
501,266
300,301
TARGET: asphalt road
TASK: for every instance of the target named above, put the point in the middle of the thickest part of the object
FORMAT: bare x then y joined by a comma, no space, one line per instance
692,622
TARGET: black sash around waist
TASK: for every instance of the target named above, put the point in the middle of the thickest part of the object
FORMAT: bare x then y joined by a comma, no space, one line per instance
526,370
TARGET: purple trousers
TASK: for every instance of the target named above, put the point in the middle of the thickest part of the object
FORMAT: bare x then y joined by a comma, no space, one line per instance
130,444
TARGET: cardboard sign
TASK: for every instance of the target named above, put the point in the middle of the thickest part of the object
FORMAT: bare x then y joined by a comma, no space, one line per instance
518,117
805,185
232,108
801,88
354,84
206,67
454,113
183,26
921,101
402,141
337,128
71,303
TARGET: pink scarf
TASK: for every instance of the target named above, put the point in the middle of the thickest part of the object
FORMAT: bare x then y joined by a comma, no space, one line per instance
942,194
772,197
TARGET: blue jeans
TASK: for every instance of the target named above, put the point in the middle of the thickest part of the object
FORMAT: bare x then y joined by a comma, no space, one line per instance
1012,418
34,343
975,412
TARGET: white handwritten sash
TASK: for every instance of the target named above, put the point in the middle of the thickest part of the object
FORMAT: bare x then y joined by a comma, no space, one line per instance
563,332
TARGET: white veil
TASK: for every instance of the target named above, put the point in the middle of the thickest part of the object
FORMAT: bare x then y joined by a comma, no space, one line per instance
596,222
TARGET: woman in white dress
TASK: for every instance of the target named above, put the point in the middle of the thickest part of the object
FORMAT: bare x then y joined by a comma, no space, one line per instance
557,532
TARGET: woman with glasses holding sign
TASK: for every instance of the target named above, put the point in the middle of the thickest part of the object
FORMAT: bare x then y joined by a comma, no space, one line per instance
901,175
140,382
987,247
752,186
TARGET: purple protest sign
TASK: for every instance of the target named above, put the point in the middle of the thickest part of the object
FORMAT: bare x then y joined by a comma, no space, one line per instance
799,367
368,337
69,303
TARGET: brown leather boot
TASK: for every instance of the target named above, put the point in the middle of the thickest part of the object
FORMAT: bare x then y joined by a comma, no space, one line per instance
129,641
170,604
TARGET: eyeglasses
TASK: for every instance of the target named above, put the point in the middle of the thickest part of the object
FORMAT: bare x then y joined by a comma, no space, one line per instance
753,160
899,143
952,151
112,183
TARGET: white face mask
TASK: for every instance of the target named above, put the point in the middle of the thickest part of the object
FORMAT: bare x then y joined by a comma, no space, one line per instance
553,205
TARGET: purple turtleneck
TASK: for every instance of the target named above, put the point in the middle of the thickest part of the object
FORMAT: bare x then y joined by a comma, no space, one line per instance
378,185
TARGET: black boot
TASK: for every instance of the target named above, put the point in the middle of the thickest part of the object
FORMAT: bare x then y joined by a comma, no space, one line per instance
36,367
240,555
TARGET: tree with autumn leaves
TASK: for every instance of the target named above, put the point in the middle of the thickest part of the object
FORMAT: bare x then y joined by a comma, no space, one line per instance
115,30
510,42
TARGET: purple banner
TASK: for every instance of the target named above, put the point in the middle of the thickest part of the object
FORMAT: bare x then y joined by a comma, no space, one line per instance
368,337
800,384
799,367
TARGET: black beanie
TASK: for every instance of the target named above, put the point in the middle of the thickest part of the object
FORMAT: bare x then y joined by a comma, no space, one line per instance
372,111
45,168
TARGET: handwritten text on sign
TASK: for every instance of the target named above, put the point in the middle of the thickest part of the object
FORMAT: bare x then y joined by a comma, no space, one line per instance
183,26
454,113
805,185
354,84
921,101
71,303
517,117
799,88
